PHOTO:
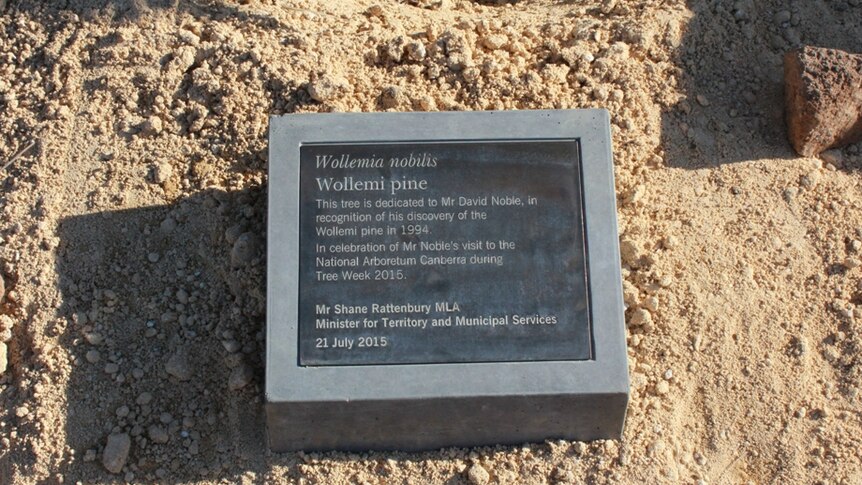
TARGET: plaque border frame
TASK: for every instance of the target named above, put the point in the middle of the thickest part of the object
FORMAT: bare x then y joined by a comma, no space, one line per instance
582,216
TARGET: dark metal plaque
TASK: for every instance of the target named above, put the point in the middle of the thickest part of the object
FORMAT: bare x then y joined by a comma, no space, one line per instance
446,252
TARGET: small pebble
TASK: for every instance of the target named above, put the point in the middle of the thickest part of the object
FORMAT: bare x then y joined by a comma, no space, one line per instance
629,251
240,376
162,172
158,434
640,316
374,11
392,96
477,474
416,51
650,303
93,356
495,41
153,257
93,338
244,249
782,16
670,242
607,7
116,452
231,345
144,398
152,126
178,366
168,225
327,88
564,476
662,388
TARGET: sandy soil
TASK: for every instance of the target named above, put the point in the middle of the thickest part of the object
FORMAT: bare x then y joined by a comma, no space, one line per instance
128,309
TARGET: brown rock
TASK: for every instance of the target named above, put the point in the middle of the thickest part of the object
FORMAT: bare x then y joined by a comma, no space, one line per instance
823,93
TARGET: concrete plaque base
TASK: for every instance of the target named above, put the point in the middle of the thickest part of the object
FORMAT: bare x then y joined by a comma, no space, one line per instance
442,279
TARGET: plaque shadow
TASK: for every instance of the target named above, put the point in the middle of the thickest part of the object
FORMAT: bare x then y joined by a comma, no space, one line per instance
110,251
141,286
740,114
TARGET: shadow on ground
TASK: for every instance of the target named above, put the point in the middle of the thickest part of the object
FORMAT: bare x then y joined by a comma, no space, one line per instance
141,287
735,106
131,10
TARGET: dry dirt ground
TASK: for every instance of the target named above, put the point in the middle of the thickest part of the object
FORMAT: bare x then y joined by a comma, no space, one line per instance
130,307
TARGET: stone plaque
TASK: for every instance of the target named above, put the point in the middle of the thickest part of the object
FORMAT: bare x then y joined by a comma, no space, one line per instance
454,274
475,253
